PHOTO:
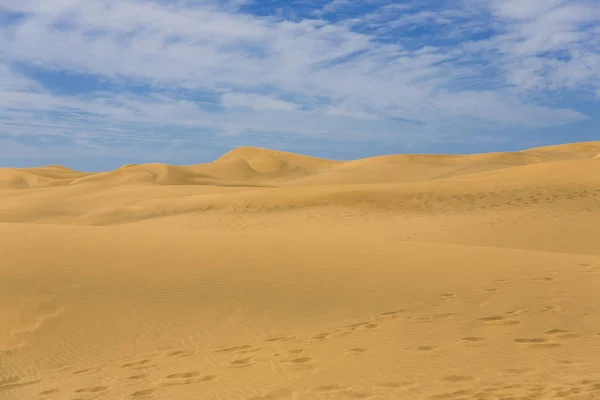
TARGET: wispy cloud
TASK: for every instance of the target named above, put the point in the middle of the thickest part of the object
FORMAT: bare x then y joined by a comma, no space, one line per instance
550,44
384,70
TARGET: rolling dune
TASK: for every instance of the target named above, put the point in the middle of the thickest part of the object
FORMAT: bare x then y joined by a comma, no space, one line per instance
270,275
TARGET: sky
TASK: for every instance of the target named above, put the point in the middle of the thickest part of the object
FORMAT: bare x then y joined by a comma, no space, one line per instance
95,84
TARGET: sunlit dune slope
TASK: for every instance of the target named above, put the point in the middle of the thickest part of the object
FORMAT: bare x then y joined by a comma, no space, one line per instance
26,178
251,166
568,151
267,275
252,179
416,168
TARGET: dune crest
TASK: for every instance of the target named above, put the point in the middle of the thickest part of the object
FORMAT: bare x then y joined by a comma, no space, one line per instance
265,160
569,150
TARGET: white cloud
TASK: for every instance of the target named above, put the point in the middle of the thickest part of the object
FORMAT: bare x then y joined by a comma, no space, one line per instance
256,102
333,6
12,81
306,77
549,44
523,9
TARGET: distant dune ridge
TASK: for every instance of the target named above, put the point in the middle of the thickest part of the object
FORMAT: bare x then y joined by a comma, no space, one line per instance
293,181
268,275
247,165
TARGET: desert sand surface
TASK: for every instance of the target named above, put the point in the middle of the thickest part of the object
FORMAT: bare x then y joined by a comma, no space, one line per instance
268,275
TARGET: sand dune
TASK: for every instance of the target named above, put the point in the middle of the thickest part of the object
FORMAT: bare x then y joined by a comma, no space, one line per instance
571,150
250,166
270,275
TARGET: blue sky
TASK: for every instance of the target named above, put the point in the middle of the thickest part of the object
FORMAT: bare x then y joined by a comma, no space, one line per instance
94,84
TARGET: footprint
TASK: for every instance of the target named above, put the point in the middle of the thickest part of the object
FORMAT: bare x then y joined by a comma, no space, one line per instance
553,309
299,363
562,334
569,363
555,331
49,392
234,348
242,362
493,318
281,339
321,336
333,388
299,360
440,316
448,296
427,348
136,363
137,377
355,326
95,389
179,353
356,350
82,371
545,278
457,378
184,375
517,311
145,392
392,314
207,378
422,318
519,371
532,340
569,335
499,320
250,350
179,382
537,342
473,339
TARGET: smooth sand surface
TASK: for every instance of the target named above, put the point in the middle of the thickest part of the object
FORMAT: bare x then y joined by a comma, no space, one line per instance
268,275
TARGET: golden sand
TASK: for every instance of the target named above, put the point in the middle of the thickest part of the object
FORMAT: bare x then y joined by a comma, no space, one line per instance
268,275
